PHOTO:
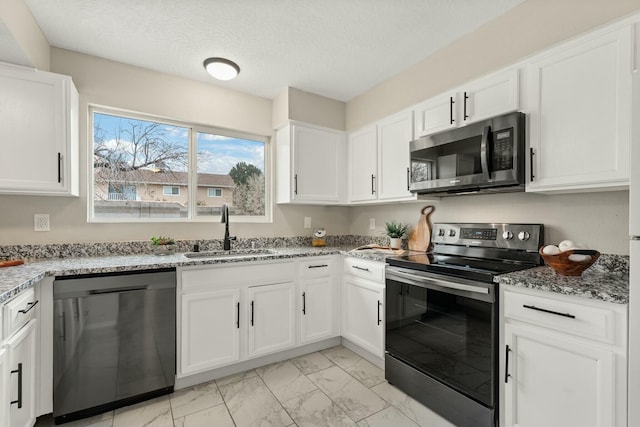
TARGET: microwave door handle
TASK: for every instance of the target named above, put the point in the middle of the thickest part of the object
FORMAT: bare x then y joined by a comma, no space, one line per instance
484,152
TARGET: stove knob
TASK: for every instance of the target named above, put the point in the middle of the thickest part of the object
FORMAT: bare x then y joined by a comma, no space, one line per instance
441,232
452,233
523,235
507,235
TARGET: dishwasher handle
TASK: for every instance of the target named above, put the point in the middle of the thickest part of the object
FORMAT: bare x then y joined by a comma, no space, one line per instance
118,290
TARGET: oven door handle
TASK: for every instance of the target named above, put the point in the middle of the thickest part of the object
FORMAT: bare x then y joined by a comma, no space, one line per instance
438,282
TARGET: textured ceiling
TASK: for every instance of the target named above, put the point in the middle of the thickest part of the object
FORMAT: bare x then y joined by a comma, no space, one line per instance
335,48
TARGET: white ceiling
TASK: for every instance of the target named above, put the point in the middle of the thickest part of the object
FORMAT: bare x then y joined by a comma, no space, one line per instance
335,48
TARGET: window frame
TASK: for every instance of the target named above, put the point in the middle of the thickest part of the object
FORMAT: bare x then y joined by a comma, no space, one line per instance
214,196
164,187
192,181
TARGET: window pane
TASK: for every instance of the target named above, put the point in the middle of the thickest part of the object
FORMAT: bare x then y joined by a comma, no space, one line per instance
139,168
234,166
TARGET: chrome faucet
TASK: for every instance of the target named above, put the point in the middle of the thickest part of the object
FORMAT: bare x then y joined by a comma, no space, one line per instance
225,218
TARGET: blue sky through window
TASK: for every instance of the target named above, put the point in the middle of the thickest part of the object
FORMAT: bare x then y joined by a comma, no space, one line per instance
217,154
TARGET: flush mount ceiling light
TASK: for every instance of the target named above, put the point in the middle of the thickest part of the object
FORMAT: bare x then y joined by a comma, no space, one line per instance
221,68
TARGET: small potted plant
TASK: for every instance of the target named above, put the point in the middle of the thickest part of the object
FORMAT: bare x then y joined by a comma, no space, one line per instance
396,231
163,245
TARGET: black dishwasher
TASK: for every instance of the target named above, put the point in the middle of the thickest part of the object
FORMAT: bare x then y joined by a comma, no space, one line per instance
114,341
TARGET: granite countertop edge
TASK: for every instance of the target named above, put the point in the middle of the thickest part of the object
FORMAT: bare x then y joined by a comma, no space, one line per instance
14,280
608,286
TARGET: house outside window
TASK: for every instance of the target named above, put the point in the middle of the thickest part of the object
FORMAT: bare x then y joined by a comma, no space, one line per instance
214,192
122,192
171,190
150,169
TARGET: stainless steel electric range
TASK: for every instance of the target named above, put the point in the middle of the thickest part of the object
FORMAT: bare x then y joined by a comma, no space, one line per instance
442,317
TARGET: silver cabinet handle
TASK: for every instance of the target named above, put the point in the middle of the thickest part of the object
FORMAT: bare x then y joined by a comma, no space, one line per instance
359,268
318,266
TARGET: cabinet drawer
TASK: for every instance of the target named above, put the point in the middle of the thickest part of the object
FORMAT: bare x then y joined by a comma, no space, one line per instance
316,267
366,269
237,274
18,311
597,323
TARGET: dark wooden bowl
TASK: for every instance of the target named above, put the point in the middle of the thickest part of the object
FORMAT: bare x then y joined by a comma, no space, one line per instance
566,267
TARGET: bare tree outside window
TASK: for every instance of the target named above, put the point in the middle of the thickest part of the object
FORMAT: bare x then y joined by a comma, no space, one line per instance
141,171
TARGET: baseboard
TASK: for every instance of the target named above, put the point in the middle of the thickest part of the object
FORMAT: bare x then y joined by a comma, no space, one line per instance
379,362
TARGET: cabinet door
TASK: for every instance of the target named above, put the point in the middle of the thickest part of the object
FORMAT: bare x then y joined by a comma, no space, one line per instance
22,349
557,382
490,96
316,309
317,159
580,116
435,115
271,318
38,133
363,314
4,388
394,135
362,164
210,330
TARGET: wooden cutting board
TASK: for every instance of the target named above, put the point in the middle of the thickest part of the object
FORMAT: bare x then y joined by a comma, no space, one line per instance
11,263
420,238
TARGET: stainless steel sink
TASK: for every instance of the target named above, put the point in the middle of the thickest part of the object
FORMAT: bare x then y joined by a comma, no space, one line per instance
234,253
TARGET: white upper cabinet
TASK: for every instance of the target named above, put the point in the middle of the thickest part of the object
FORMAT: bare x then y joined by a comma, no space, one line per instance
363,161
38,133
579,105
490,96
379,160
310,165
394,135
436,114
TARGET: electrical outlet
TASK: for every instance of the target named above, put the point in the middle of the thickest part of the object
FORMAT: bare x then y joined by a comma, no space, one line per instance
372,223
307,222
41,222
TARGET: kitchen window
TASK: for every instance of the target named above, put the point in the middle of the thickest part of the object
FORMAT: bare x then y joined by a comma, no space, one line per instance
147,169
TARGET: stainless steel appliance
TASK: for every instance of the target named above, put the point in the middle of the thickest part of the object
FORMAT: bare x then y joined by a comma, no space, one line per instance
487,156
114,341
442,317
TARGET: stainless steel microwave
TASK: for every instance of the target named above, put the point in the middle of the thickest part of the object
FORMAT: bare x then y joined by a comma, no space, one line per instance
487,156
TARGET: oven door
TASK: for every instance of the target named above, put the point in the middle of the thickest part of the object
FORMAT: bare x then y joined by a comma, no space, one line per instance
444,328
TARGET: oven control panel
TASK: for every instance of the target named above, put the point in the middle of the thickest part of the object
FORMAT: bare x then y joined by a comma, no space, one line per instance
527,237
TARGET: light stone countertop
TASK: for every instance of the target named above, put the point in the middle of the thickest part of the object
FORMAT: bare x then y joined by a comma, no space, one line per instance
15,279
607,280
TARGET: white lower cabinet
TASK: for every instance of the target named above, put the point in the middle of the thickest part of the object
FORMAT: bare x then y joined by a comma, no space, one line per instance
363,305
319,316
271,323
232,313
210,329
21,352
563,362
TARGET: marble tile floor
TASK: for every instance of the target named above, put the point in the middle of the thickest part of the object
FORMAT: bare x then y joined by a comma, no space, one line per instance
333,387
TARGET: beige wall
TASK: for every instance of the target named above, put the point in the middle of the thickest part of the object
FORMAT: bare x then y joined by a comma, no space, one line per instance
599,220
21,35
295,104
118,85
